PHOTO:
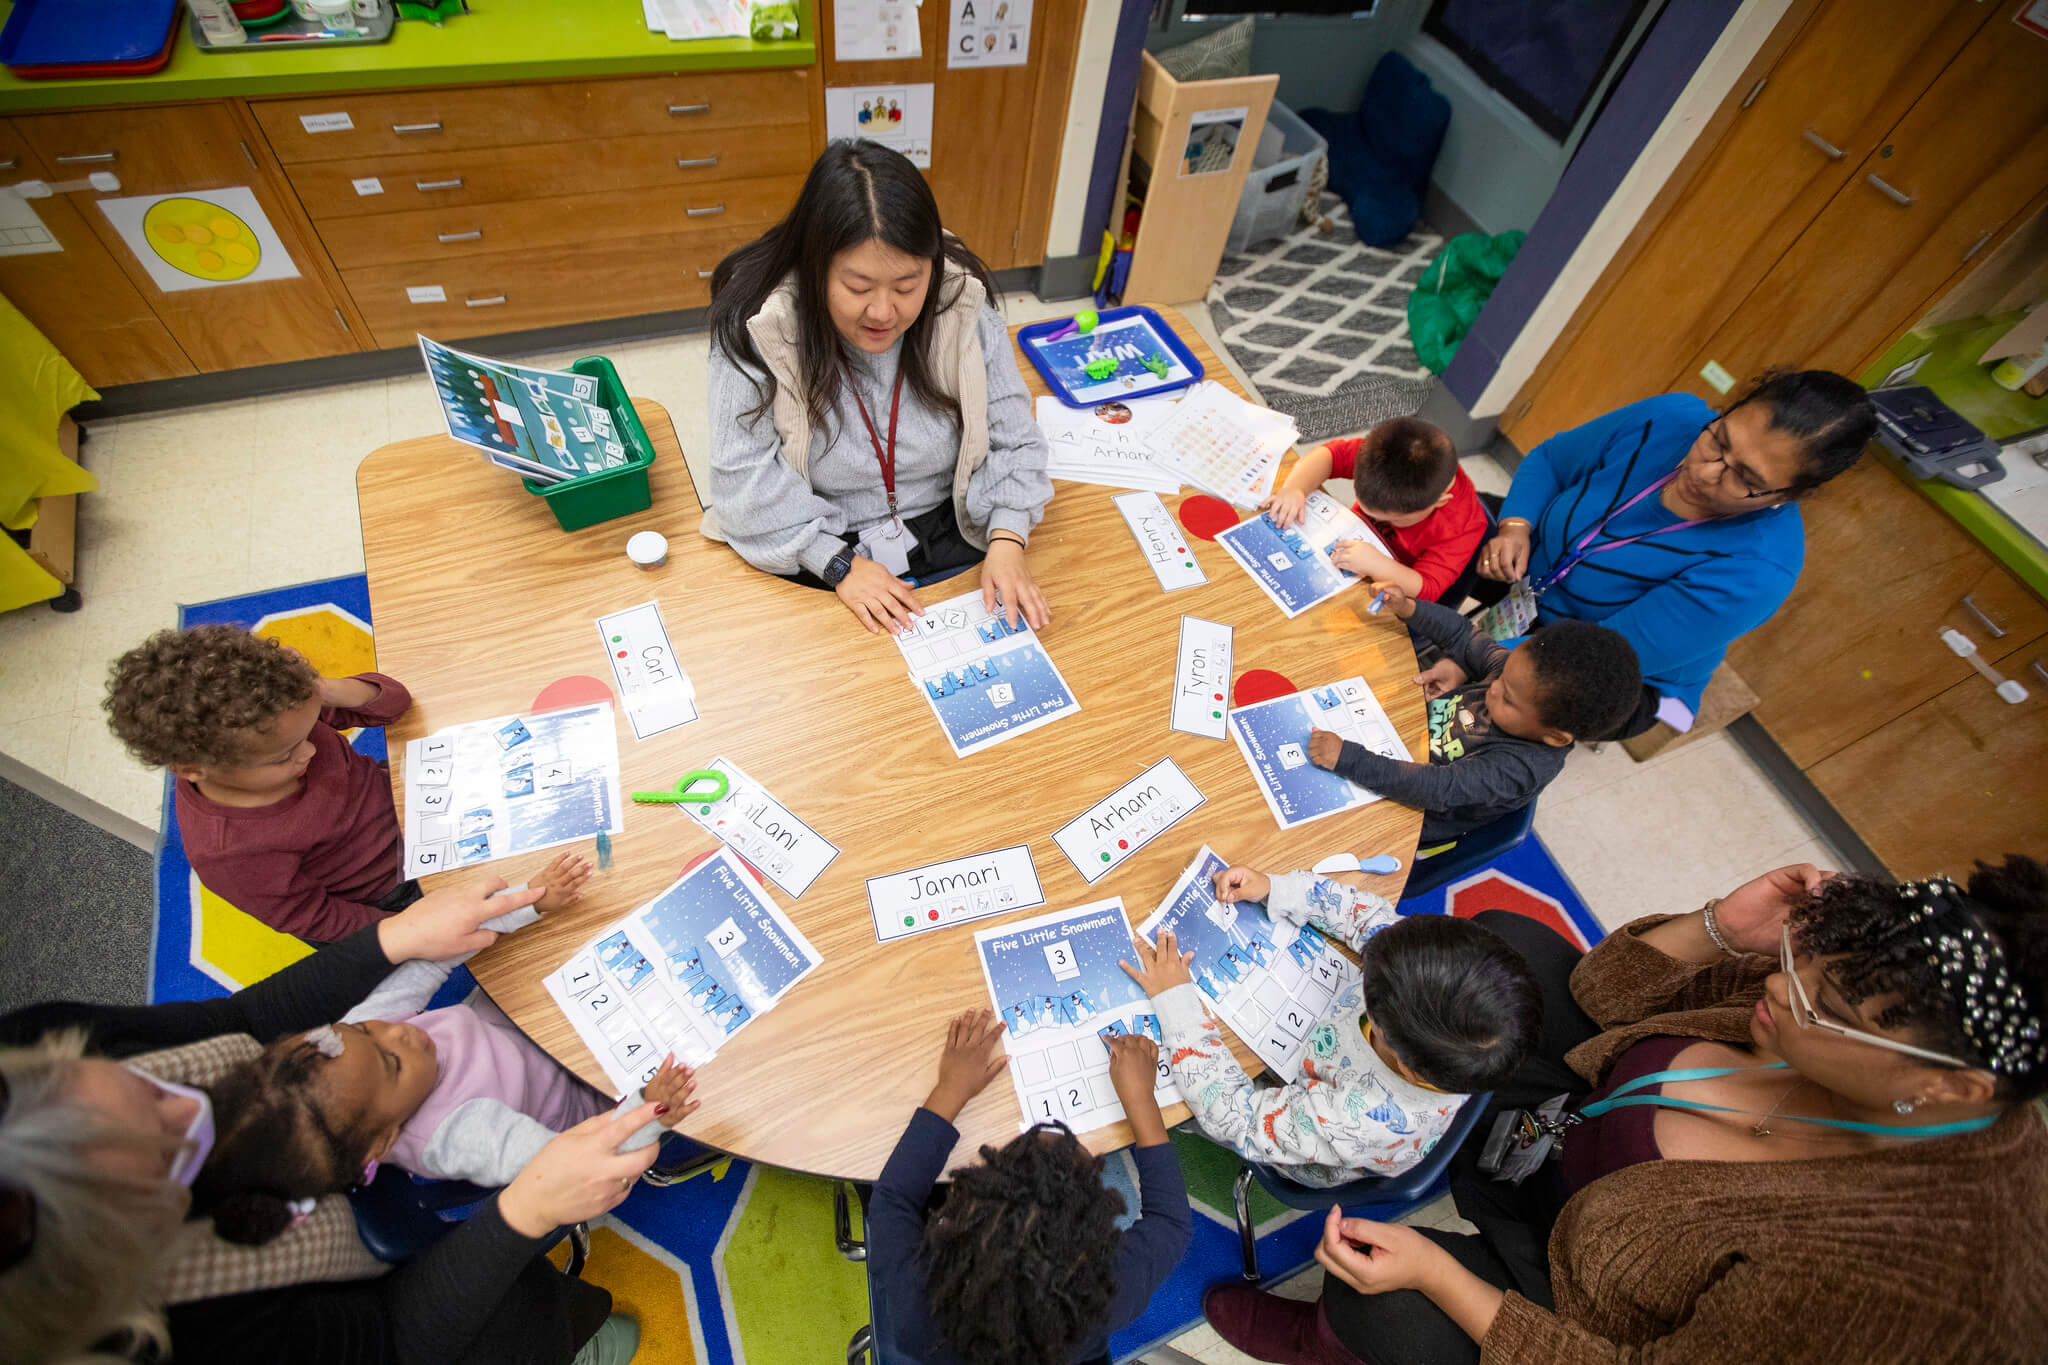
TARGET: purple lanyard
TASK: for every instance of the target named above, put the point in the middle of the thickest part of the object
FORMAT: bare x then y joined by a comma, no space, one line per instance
1581,552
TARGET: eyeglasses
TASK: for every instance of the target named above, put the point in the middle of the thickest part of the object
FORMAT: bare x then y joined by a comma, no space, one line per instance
1719,453
1806,1016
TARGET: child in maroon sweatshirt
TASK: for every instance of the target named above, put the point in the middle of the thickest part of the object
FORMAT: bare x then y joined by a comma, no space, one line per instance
280,816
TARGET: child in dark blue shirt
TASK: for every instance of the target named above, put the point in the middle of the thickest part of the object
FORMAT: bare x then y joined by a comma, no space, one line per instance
1022,1263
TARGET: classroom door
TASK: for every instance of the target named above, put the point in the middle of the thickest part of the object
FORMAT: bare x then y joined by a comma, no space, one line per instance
1794,135
218,277
996,131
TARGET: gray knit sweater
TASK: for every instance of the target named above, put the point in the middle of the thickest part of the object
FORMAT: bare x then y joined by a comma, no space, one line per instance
778,523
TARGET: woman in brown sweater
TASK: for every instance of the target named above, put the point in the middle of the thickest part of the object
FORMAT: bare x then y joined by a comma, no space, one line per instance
1848,1169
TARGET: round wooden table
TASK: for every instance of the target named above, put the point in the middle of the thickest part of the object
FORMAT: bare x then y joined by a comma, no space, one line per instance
480,602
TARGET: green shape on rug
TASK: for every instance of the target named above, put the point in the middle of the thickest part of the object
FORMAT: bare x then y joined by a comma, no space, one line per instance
783,1237
1211,1173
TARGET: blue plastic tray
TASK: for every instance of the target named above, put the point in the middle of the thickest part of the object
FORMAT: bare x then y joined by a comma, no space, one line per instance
48,32
1058,361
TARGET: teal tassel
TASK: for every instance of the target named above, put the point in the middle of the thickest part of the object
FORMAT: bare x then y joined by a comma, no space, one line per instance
604,851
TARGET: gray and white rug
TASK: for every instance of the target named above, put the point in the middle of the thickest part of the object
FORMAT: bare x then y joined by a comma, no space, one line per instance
1321,324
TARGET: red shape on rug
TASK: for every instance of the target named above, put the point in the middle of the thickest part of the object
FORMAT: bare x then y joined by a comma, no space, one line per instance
577,690
1491,890
1205,516
1260,684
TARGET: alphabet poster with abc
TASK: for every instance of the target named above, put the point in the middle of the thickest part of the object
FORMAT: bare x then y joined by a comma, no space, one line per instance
1056,982
1271,982
488,789
682,973
985,679
989,33
1273,737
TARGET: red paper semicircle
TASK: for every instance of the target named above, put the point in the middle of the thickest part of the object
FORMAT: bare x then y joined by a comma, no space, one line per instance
1205,516
575,690
1260,684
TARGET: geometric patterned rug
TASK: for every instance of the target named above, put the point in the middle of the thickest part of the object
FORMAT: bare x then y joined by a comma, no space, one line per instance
738,1263
1320,324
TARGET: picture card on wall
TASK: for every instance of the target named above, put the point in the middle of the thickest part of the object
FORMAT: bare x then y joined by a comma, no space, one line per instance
1099,839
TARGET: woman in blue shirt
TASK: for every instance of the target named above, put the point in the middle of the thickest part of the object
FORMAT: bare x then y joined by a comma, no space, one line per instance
1675,525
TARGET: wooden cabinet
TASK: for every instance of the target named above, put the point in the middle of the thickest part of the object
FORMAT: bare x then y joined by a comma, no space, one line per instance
1858,642
197,147
79,296
1962,776
1797,131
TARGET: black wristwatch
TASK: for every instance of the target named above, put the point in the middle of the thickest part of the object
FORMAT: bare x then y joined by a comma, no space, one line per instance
841,565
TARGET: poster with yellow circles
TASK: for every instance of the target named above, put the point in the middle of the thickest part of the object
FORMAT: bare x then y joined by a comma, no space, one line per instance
201,239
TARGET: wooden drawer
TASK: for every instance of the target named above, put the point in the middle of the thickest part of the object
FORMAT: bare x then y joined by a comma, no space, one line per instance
511,291
415,121
492,175
568,221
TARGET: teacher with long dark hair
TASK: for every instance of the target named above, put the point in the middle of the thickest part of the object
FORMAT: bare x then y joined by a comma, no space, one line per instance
870,431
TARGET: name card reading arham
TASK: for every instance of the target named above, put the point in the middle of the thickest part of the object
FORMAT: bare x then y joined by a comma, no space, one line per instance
1120,824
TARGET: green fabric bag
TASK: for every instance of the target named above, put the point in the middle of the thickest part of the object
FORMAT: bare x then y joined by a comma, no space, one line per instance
1453,290
770,21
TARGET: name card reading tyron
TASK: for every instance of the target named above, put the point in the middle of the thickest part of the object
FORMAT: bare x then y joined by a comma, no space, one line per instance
657,694
952,892
1160,539
760,829
1202,679
1127,819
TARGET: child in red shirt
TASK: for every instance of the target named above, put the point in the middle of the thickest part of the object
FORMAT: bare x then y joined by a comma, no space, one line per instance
1413,495
280,817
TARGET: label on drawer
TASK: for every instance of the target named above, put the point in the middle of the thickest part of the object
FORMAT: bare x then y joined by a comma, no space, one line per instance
426,293
369,184
326,123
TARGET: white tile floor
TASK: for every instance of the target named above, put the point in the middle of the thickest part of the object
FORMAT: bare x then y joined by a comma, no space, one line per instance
206,502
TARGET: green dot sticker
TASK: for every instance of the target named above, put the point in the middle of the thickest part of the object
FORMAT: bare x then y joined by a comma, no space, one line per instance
909,920
704,810
617,639
1105,857
1189,565
1217,714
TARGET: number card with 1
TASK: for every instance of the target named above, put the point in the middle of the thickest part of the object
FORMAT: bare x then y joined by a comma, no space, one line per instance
747,818
1116,827
939,895
1056,981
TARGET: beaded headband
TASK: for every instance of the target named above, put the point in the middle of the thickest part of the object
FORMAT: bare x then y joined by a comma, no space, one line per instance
2002,1024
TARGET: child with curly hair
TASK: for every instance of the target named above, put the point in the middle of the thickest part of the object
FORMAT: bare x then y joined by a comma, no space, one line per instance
1023,1263
458,1093
279,816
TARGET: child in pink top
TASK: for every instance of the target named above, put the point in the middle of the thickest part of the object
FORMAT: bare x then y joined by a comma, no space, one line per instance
280,817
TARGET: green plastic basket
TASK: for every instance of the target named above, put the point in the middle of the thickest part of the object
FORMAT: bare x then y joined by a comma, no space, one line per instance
591,498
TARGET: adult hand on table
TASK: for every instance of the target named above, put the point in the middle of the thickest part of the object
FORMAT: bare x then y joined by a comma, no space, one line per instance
443,923
1004,575
972,1057
1506,556
579,1175
879,599
1441,677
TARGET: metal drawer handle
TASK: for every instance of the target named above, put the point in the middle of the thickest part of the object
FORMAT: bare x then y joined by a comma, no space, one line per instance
490,302
2010,690
696,161
706,274
473,235
9,164
454,184
2039,671
94,156
433,127
1828,149
689,108
704,213
1997,631
1899,197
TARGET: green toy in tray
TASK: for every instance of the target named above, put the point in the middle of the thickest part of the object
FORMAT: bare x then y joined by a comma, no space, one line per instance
770,22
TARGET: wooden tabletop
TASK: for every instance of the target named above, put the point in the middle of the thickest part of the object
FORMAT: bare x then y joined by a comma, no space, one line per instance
480,601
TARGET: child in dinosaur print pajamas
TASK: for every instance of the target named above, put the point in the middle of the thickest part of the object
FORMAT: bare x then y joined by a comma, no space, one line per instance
1447,1009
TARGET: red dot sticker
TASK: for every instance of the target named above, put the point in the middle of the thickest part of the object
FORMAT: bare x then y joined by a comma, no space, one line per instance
1123,843
1219,696
1205,516
1255,685
622,654
931,914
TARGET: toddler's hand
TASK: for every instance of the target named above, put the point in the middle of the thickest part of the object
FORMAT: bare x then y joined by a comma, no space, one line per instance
1159,969
1323,748
562,882
1440,678
972,1057
1398,602
1235,884
670,1091
1286,507
1133,1067
1355,556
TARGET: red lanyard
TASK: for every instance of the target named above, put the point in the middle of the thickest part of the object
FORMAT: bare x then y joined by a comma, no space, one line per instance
886,461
